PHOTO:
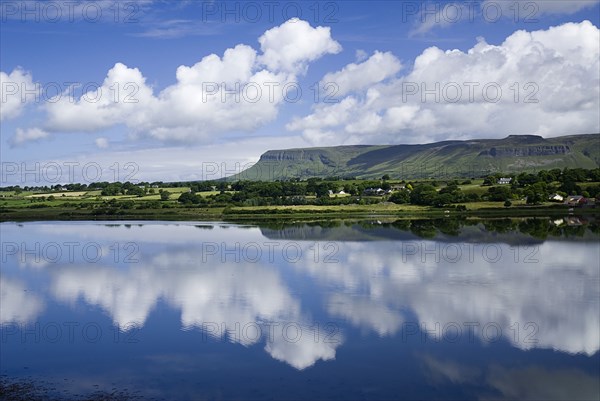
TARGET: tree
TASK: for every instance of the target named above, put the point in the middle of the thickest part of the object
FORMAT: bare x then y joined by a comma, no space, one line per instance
451,193
443,199
594,191
128,204
116,188
507,203
525,179
322,190
203,186
499,193
570,187
385,177
536,193
489,180
472,197
400,197
423,194
188,198
164,195
135,190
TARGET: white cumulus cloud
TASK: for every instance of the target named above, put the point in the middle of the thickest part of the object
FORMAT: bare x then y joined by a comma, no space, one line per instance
23,136
542,82
443,15
292,45
354,77
238,91
101,143
16,89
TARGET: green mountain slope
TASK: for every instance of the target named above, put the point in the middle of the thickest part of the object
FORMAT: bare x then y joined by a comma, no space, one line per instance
470,158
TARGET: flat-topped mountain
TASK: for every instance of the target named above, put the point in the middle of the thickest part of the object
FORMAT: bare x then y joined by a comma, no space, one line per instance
469,158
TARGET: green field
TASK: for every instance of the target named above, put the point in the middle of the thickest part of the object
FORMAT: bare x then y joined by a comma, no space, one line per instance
67,205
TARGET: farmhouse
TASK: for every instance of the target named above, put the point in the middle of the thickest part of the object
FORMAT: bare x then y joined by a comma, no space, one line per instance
374,192
576,200
556,198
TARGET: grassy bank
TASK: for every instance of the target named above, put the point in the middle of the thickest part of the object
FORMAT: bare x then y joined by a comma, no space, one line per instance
25,212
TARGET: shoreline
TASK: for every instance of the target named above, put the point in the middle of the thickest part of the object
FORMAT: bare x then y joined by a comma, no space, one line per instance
282,213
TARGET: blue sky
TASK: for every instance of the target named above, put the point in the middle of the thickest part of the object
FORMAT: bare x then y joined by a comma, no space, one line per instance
395,72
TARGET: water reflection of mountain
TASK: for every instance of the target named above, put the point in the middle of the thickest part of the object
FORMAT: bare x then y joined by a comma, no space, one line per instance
509,231
532,382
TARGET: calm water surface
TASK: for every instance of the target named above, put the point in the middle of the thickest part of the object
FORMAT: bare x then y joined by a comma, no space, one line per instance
405,310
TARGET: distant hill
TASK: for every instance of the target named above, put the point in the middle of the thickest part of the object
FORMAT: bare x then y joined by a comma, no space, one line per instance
470,158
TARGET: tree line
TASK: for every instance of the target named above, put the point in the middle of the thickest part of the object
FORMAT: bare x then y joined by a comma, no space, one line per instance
534,187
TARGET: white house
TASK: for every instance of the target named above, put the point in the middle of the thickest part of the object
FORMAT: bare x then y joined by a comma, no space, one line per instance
556,198
374,191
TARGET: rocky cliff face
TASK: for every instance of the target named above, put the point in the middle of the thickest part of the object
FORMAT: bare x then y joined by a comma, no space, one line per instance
333,156
475,157
279,155
297,155
291,155
527,151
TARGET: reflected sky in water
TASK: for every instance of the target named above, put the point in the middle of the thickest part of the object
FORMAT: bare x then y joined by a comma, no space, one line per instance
185,311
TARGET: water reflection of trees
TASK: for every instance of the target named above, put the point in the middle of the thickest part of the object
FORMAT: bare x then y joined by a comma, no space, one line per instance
536,227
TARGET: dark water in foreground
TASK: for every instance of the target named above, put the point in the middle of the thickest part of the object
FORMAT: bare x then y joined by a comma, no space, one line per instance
371,310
